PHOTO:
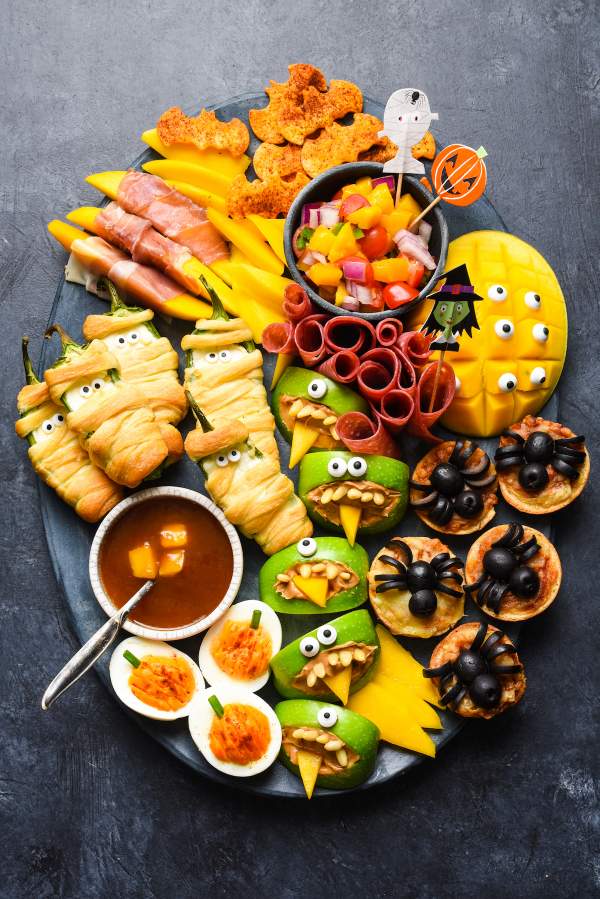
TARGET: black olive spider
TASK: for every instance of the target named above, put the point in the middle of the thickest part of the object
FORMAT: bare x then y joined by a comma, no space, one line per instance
453,488
474,671
420,578
533,454
504,569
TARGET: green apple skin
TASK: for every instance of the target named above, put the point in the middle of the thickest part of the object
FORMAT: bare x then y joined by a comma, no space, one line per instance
294,382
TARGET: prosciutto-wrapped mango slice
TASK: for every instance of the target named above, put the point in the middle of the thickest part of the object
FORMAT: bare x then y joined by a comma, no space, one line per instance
145,358
224,374
247,484
56,453
112,418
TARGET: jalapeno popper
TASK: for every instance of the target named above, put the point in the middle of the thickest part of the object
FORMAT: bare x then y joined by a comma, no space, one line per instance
111,417
356,494
56,453
145,358
224,374
306,408
247,484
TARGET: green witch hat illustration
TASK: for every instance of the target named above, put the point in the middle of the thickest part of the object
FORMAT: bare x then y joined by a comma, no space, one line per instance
453,310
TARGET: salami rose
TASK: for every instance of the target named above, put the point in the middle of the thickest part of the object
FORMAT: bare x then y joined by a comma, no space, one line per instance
342,367
396,409
361,435
388,332
349,332
423,420
296,303
415,346
278,337
310,340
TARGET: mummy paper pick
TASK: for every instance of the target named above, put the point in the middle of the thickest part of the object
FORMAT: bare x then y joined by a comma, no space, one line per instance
406,118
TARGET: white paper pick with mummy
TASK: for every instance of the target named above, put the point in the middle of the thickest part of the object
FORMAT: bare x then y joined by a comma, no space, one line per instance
406,118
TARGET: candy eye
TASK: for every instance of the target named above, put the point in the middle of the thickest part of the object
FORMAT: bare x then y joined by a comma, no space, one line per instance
327,717
497,293
222,461
540,332
504,328
507,382
48,425
307,547
234,455
97,383
337,467
121,340
225,355
538,375
309,647
533,299
85,390
326,635
133,338
357,467
317,389
211,357
58,419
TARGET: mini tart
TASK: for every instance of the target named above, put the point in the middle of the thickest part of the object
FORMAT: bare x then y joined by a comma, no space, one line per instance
560,490
448,650
457,524
545,563
392,608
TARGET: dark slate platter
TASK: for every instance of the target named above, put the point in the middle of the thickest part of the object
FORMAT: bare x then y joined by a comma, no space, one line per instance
69,538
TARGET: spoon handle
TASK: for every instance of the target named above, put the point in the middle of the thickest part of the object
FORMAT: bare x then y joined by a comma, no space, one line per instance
91,651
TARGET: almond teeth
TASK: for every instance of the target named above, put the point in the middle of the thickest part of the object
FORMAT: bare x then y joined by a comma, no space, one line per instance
304,412
342,757
330,420
334,745
331,571
305,570
296,406
346,657
366,497
378,499
354,493
311,679
319,669
339,493
359,655
327,495
323,738
333,659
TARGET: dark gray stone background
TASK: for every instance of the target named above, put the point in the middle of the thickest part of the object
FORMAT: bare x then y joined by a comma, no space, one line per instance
90,806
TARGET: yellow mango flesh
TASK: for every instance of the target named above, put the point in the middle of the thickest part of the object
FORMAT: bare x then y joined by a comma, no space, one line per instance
199,196
220,161
197,175
239,234
303,438
396,662
171,563
173,536
283,360
308,764
350,521
314,588
340,684
107,182
143,562
265,286
272,231
396,724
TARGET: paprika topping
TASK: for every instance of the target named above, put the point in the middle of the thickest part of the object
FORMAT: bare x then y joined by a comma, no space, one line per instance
240,735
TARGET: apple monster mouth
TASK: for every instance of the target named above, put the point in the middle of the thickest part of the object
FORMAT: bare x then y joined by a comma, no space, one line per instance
336,668
353,504
317,581
312,425
332,753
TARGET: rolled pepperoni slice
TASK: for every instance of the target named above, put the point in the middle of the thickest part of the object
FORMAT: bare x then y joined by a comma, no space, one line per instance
349,332
296,303
310,340
379,373
278,337
407,377
423,420
361,435
415,346
388,332
396,409
342,367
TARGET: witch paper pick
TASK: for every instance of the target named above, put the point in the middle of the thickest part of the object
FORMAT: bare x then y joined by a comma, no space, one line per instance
453,310
406,118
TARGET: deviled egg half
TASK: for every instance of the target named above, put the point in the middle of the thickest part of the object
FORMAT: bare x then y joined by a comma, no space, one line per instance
155,679
237,649
236,731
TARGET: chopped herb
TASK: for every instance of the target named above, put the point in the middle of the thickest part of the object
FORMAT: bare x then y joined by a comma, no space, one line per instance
357,232
255,621
304,237
337,228
133,660
216,706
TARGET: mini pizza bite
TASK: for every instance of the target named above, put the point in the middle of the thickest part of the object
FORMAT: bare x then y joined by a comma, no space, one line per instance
316,576
512,572
415,587
477,671
453,488
542,466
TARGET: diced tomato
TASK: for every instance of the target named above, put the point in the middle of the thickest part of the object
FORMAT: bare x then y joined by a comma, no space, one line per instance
376,304
398,293
376,242
351,204
415,273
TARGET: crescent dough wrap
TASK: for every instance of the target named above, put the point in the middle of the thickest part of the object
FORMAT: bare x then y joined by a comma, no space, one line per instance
231,390
60,460
115,425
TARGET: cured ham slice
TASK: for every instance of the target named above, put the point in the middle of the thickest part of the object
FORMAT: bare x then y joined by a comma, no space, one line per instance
173,214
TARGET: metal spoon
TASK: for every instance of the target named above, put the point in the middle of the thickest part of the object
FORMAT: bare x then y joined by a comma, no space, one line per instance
91,651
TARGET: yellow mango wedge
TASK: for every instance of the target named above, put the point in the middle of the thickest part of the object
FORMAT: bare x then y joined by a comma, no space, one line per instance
256,316
272,231
303,438
197,175
314,588
396,724
220,161
350,520
107,182
405,697
238,234
309,764
264,285
283,360
199,196
340,684
143,562
397,663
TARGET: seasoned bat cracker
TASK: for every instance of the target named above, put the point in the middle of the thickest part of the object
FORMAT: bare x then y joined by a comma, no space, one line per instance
340,143
205,131
425,149
268,198
272,161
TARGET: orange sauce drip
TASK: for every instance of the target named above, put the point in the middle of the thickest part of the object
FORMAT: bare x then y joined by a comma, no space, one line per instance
242,651
241,736
162,682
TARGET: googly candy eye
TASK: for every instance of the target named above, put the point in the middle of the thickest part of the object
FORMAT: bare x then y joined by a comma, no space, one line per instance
222,461
307,547
225,355
58,419
533,299
357,467
538,375
317,389
504,328
121,340
540,332
326,635
507,382
309,647
211,357
48,425
85,390
234,455
497,293
133,337
97,383
337,467
327,717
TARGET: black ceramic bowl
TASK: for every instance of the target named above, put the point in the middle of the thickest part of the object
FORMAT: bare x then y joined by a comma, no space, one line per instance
322,188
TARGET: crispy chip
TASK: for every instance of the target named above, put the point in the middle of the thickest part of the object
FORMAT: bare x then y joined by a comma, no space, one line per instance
379,152
271,161
302,105
425,149
341,143
205,131
268,198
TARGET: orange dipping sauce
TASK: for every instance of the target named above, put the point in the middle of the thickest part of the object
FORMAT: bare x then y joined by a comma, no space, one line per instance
185,597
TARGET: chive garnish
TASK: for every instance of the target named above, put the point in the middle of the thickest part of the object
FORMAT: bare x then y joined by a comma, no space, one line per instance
337,228
358,232
216,706
133,660
255,620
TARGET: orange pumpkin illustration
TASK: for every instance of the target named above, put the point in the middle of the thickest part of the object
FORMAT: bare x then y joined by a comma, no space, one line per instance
459,174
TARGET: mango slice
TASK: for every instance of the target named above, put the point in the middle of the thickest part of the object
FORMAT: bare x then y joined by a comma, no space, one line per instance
283,360
107,182
220,161
350,520
173,536
143,562
197,175
314,588
303,437
171,563
255,249
396,662
309,764
340,684
396,724
84,216
265,286
198,195
404,697
272,231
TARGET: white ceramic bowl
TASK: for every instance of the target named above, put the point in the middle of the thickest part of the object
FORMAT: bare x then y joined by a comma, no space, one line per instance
190,630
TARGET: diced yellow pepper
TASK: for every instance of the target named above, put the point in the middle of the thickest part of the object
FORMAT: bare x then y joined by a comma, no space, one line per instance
348,189
344,244
321,240
363,187
381,196
366,217
171,563
143,562
397,220
408,203
324,274
340,294
173,536
365,184
389,270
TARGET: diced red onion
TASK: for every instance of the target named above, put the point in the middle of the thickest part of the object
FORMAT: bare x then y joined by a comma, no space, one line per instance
363,294
351,304
412,246
319,257
386,179
306,211
355,270
425,232
314,219
329,215
307,257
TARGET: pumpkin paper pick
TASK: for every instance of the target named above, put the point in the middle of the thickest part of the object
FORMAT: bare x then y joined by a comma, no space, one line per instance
406,118
459,177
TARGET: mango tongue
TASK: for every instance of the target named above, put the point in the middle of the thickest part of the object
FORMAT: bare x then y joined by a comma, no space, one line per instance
314,588
350,520
340,684
309,764
283,360
303,437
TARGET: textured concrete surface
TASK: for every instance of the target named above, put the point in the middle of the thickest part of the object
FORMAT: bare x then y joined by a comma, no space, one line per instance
89,806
